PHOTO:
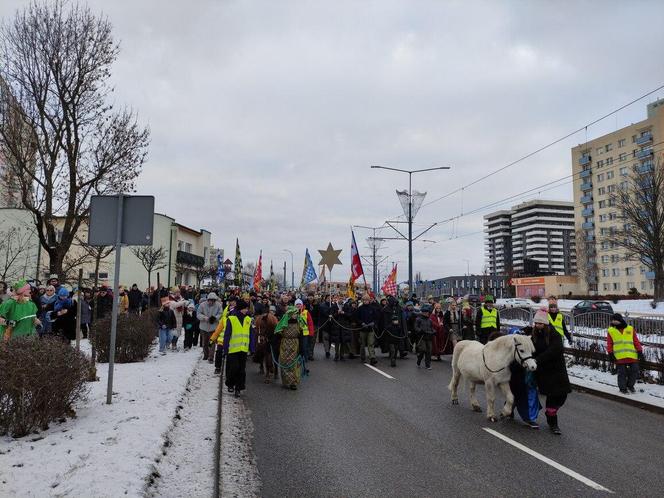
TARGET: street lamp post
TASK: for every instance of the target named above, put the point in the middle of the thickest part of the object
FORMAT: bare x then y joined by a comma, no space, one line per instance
410,214
292,269
467,266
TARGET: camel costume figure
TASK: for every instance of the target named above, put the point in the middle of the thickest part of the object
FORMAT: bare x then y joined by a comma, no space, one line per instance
489,365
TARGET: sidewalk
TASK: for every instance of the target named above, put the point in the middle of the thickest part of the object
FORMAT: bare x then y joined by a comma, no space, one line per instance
647,396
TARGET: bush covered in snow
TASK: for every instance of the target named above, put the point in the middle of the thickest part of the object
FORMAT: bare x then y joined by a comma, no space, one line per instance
135,335
40,380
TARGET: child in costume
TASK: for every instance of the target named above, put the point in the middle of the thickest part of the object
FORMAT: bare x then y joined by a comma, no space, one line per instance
18,315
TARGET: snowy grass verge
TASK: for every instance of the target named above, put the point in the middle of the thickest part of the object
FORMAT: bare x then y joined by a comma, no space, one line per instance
652,394
108,450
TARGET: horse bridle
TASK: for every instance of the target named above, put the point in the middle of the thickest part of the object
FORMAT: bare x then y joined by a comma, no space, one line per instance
517,353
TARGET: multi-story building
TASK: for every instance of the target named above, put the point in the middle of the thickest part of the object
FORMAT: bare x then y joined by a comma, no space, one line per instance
537,231
496,285
601,167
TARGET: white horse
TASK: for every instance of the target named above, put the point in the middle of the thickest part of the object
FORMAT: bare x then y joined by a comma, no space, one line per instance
489,365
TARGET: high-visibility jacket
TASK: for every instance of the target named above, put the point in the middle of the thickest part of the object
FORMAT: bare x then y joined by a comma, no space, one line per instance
218,334
308,328
240,334
623,343
557,323
489,318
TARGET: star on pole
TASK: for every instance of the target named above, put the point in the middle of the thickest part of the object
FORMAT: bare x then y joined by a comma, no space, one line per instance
329,256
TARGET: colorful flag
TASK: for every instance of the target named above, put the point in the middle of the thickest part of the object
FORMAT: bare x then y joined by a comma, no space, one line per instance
220,267
273,281
239,279
389,288
356,269
308,271
258,274
351,287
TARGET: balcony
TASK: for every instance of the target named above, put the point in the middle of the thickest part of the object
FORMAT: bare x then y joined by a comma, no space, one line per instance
642,154
586,173
644,139
584,159
189,259
647,167
589,211
587,199
586,186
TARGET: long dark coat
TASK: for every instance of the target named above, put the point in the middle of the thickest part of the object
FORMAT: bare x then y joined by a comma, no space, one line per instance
551,373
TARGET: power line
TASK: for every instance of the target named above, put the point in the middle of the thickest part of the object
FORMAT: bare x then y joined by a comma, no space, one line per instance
544,147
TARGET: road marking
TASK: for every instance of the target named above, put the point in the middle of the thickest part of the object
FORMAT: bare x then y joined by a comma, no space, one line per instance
379,371
548,461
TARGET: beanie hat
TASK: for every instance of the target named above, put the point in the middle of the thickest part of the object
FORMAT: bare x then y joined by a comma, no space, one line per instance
617,317
21,287
62,292
241,305
541,317
488,298
426,308
298,301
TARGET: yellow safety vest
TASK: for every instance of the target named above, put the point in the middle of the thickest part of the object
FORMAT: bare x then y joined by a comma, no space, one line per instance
239,341
489,318
623,343
305,326
557,323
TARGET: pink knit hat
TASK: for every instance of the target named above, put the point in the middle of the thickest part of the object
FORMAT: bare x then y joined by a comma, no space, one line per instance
541,317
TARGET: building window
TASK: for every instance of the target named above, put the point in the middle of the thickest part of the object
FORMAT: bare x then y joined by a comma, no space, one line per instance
606,287
612,202
608,147
616,286
621,142
599,150
629,271
633,139
603,217
615,272
609,161
601,191
187,247
605,259
631,285
623,171
600,177
605,245
611,188
609,175
613,216
602,204
605,272
600,163
180,245
622,157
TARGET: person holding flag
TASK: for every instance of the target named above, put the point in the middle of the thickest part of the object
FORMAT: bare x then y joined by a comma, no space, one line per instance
258,274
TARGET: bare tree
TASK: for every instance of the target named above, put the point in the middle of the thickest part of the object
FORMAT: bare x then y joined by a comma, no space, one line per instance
586,260
62,137
15,253
151,258
640,206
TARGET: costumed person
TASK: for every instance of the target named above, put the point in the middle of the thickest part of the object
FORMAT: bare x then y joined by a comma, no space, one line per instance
453,325
366,316
265,325
557,320
18,314
308,331
290,329
487,320
64,316
523,383
437,322
394,328
424,334
467,322
237,344
622,344
551,373
209,313
178,306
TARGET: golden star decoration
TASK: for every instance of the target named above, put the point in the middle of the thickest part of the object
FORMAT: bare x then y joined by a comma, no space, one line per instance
329,256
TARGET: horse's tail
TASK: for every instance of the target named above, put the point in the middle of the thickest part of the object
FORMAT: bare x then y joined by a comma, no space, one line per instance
456,373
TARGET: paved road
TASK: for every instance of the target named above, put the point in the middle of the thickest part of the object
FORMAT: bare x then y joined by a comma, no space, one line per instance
350,431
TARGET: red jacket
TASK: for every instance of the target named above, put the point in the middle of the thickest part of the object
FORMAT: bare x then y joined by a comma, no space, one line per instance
637,345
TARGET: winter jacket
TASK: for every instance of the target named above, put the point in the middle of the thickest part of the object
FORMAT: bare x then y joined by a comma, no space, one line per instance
205,311
478,319
190,321
341,323
166,319
423,326
453,326
366,314
637,346
551,373
393,323
135,299
65,324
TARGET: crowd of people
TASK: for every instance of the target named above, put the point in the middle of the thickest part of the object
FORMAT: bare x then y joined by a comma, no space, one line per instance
278,332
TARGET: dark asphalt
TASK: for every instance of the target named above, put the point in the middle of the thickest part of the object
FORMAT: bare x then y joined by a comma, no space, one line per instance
348,431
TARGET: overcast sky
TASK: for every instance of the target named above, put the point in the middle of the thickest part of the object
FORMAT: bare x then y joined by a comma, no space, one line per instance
266,116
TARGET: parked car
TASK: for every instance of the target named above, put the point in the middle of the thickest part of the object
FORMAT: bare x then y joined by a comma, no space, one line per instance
516,302
592,306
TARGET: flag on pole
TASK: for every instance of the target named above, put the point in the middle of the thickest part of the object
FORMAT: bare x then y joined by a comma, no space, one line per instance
308,271
273,282
258,274
220,267
389,288
356,269
239,280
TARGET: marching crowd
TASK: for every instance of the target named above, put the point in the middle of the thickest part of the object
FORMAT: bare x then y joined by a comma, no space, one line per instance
279,332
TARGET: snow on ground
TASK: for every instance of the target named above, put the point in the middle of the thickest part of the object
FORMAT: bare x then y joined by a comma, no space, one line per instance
652,394
239,473
108,450
187,467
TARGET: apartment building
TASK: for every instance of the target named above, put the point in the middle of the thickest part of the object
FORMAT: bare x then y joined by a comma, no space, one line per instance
537,232
601,167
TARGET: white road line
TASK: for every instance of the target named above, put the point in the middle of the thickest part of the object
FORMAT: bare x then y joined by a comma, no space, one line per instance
548,461
379,371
